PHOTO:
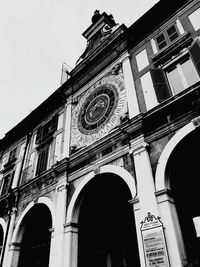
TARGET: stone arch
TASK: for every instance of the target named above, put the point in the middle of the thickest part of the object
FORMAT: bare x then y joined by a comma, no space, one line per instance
160,177
74,205
44,200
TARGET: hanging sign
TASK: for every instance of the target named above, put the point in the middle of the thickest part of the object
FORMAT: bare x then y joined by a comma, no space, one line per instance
154,244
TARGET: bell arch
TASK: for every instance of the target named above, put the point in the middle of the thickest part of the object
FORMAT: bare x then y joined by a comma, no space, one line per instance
74,205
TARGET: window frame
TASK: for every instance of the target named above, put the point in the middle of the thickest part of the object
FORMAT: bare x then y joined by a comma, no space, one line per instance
166,36
12,154
178,66
161,84
7,176
42,167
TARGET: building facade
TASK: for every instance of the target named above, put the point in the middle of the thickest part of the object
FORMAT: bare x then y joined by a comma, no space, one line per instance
104,172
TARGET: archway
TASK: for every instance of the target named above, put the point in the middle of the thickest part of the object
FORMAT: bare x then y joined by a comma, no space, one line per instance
107,236
35,237
182,177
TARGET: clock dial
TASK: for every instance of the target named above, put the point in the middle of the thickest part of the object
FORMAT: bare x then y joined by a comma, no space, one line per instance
98,110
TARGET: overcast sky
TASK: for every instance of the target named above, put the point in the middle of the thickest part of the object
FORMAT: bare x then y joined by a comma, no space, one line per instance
36,37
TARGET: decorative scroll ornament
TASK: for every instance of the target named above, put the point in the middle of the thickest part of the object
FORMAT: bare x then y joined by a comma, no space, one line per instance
154,243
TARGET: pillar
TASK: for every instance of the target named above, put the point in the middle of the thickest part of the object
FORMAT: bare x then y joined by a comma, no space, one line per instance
138,219
144,177
71,245
175,244
132,101
8,254
14,252
57,238
67,134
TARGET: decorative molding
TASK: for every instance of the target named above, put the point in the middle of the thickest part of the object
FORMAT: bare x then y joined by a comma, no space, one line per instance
150,218
71,227
196,121
96,170
138,145
15,246
62,186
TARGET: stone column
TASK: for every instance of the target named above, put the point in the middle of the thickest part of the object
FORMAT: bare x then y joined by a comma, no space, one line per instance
138,219
8,254
131,96
173,234
57,238
67,134
71,245
144,177
14,253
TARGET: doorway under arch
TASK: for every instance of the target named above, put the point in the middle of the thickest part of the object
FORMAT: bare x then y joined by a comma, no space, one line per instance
107,235
35,237
182,174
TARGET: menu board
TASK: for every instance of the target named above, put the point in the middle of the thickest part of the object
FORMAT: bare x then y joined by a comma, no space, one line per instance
154,244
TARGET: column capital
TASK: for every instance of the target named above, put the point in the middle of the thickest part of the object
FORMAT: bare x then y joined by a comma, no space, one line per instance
14,246
71,227
124,57
62,186
138,145
13,211
69,100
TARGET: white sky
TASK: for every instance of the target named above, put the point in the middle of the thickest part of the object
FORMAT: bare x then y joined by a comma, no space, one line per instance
36,37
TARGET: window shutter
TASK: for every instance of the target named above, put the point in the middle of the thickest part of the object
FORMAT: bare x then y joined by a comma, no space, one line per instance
42,160
195,54
54,123
160,84
38,135
6,183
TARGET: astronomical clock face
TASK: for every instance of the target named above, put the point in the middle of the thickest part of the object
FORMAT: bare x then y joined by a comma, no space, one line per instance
98,111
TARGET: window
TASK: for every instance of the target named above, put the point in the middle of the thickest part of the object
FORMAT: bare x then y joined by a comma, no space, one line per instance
142,60
12,154
194,18
60,121
168,36
179,75
6,182
182,75
161,41
28,172
3,162
43,156
148,91
172,33
21,151
47,130
58,142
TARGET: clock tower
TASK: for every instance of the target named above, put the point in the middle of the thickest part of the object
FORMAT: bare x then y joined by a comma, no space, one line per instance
101,102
